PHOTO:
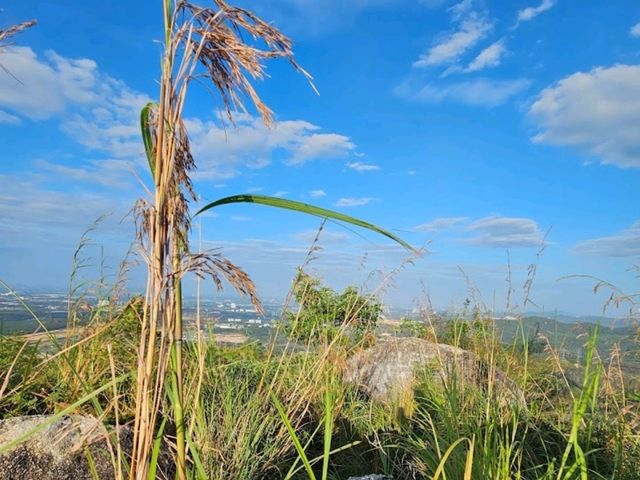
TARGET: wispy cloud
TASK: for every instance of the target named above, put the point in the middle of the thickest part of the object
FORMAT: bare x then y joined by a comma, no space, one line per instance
317,193
352,202
8,119
112,173
635,30
35,213
624,244
479,92
489,57
361,167
497,231
440,224
326,236
529,13
471,27
597,112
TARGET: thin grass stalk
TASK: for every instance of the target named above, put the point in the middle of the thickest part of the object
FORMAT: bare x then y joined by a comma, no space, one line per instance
178,376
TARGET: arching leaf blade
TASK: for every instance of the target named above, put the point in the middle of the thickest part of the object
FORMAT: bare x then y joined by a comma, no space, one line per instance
301,207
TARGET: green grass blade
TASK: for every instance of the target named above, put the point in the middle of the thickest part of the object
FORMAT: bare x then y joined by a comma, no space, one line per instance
304,208
155,452
54,418
315,460
147,137
328,432
443,461
201,473
294,438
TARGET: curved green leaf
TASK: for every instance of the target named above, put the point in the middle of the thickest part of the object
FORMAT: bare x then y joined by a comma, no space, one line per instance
304,208
147,136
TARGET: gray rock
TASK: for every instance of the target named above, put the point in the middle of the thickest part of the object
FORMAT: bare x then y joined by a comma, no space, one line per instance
387,370
57,452
60,451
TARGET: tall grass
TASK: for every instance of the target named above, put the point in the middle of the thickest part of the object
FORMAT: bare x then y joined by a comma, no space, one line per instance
282,410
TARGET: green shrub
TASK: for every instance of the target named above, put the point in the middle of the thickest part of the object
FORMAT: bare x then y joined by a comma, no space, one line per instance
322,312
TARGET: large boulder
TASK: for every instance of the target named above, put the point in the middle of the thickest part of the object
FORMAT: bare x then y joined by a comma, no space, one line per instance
386,371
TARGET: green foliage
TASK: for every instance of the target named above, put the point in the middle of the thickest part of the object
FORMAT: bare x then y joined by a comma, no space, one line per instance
322,311
574,421
416,328
294,206
27,383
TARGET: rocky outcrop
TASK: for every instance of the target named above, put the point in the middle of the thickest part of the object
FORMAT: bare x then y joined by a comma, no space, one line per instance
387,371
58,451
65,449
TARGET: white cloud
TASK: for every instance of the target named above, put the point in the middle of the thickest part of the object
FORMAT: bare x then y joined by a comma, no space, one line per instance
40,88
97,111
440,224
529,13
635,30
624,244
352,202
489,57
597,112
477,92
497,231
220,152
102,114
361,167
460,9
111,124
320,145
471,27
317,193
280,193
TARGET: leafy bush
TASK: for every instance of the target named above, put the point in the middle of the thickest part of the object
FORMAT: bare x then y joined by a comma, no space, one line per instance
322,312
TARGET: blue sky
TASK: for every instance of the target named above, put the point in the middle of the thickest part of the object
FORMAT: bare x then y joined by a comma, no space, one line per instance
478,129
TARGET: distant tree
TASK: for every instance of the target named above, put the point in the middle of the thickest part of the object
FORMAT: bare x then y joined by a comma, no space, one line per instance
322,311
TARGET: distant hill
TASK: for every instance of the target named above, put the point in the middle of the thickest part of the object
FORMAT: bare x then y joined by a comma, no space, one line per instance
570,338
566,317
